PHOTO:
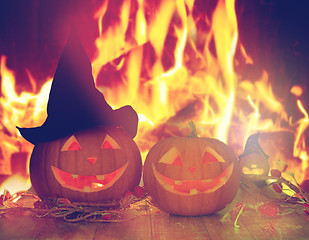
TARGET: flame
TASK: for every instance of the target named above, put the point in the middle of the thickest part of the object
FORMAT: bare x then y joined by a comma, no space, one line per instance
171,70
24,109
299,143
15,183
224,103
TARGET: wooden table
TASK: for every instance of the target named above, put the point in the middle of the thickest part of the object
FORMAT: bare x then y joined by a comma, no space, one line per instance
155,224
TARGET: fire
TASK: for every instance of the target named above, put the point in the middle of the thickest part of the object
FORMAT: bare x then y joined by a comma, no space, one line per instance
172,65
15,183
25,109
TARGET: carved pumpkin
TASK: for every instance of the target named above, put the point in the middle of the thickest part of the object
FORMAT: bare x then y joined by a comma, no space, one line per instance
254,160
191,176
92,165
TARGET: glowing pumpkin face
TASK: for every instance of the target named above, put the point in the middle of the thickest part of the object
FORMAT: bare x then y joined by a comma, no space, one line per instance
191,176
91,165
254,160
254,163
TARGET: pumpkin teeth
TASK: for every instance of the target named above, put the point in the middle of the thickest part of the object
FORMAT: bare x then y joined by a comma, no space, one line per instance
193,191
168,187
207,180
87,189
192,187
223,179
88,184
100,177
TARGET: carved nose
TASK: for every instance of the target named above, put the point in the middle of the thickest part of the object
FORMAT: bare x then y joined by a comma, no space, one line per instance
192,169
92,160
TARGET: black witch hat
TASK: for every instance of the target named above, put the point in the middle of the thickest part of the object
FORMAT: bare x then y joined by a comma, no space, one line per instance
75,103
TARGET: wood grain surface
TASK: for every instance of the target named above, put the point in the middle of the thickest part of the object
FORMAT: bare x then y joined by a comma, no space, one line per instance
154,224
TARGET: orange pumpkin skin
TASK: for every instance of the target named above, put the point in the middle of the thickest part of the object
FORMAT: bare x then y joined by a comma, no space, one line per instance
193,183
83,168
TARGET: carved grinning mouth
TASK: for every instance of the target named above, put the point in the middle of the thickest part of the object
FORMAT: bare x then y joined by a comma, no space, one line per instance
92,183
192,187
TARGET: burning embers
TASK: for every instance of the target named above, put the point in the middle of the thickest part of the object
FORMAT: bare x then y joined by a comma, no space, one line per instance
173,63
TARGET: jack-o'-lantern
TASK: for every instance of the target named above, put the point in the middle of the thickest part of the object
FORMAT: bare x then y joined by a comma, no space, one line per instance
191,176
254,160
95,164
84,151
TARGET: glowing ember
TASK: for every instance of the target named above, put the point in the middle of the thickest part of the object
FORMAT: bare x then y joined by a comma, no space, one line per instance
159,60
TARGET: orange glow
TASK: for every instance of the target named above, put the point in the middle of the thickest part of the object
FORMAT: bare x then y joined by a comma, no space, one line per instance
297,90
299,143
15,183
24,109
188,74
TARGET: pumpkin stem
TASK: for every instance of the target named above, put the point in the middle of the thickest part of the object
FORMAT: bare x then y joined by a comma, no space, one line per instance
193,133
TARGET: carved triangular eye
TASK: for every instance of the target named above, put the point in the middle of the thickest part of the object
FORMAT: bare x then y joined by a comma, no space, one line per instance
109,143
210,155
172,157
71,145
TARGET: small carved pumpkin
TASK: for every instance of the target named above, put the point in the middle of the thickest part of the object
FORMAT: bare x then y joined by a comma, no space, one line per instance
191,176
92,165
254,160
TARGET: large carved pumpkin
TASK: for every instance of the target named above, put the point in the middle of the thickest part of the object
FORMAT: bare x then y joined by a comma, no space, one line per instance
92,165
191,176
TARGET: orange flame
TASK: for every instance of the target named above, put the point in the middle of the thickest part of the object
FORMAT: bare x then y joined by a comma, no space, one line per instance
171,71
230,106
24,109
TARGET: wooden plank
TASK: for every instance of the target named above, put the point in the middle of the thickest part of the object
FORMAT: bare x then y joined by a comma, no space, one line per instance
258,227
19,226
255,225
147,222
138,228
281,226
26,226
218,230
166,227
292,226
59,229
